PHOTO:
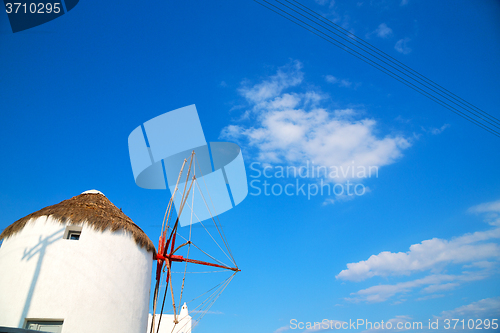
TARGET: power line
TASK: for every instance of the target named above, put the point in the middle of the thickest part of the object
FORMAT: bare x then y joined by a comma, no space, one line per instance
321,27
395,61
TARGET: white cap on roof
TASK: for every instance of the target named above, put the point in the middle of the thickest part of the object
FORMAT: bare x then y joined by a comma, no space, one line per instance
92,192
184,311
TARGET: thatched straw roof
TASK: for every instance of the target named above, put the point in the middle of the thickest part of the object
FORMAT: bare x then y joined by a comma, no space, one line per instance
92,209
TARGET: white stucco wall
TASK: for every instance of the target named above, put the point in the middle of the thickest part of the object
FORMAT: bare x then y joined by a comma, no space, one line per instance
99,283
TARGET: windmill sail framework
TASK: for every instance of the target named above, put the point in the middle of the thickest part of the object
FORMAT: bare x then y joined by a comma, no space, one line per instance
158,148
205,180
169,251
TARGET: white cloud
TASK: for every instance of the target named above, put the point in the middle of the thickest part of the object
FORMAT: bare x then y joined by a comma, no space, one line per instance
430,254
325,326
282,329
430,297
487,207
481,265
207,312
383,31
292,128
436,131
492,210
394,325
477,254
328,201
383,292
331,3
287,76
331,79
402,46
485,308
316,329
345,83
440,287
403,120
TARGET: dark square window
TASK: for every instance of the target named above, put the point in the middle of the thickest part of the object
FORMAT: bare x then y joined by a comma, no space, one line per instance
74,235
72,232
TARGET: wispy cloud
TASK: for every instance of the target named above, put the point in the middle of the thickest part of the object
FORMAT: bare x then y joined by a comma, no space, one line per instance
340,17
345,83
436,131
492,211
425,298
287,76
383,31
331,79
293,127
402,46
330,3
401,320
339,82
322,326
427,255
477,254
440,287
487,207
207,312
328,201
485,308
383,292
282,329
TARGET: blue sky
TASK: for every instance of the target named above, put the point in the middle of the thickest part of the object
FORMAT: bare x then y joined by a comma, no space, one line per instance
421,243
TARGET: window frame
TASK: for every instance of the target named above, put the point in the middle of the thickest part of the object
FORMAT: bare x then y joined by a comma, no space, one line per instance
40,323
72,230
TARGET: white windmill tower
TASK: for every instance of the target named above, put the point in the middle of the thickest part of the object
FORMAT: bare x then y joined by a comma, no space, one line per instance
78,266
